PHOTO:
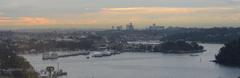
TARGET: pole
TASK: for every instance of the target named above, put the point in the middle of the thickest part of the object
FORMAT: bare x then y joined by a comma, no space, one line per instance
58,67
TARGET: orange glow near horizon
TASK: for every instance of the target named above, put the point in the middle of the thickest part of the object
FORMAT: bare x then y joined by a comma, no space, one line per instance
141,16
34,21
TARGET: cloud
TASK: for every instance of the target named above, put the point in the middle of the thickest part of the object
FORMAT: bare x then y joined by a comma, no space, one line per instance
141,16
5,20
35,21
23,21
79,22
146,10
195,16
160,10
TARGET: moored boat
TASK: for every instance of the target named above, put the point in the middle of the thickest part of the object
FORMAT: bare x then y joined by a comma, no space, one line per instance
104,53
49,55
47,73
97,54
194,55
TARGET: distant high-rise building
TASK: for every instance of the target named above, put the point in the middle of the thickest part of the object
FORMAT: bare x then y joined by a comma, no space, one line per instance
130,27
155,27
119,28
113,27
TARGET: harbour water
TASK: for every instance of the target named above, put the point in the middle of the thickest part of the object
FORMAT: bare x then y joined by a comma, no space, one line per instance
141,65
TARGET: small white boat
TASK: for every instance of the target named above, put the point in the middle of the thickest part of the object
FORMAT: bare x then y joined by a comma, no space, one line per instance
97,54
49,55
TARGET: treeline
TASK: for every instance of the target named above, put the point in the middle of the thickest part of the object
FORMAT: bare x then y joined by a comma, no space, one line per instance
229,54
12,65
208,35
178,47
165,47
70,44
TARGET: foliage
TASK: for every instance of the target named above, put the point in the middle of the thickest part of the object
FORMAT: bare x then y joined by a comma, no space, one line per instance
213,35
229,54
9,60
177,46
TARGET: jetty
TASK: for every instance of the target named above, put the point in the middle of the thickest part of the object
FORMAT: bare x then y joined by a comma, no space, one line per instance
73,54
56,55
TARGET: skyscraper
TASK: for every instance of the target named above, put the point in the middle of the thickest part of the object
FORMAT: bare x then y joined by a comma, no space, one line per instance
130,27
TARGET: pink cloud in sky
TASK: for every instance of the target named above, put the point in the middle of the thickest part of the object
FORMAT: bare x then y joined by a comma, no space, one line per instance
5,20
35,21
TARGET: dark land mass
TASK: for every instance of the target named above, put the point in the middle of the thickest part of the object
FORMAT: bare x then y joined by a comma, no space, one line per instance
229,54
178,47
12,65
38,42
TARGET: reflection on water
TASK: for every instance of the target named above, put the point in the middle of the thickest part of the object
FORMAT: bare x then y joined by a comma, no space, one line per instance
142,65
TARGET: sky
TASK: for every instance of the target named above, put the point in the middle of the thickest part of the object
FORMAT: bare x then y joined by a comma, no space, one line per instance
17,14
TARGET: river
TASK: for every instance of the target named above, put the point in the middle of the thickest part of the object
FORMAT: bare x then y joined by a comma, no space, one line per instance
142,65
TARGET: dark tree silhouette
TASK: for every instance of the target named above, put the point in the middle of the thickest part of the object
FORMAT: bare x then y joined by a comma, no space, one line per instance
229,54
178,47
10,60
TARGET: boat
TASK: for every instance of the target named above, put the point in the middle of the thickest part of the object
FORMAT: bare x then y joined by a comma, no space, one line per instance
97,54
49,55
104,53
85,53
76,53
55,74
60,73
194,55
107,53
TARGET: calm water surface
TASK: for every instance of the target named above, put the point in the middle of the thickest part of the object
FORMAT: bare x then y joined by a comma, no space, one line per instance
142,65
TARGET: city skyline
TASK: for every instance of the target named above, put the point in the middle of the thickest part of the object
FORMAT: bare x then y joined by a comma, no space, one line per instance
105,13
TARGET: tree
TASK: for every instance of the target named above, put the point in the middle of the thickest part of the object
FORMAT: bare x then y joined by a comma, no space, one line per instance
229,54
10,60
177,46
